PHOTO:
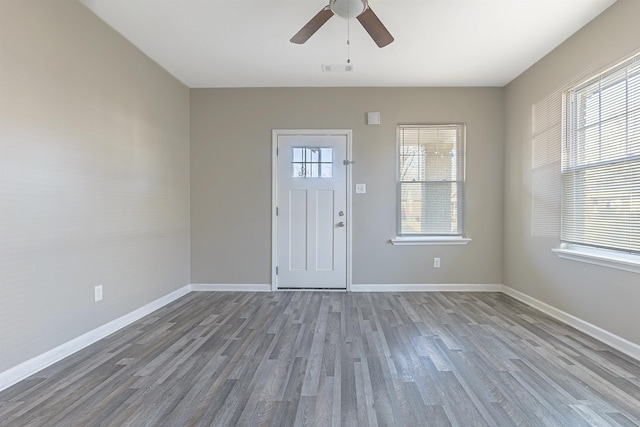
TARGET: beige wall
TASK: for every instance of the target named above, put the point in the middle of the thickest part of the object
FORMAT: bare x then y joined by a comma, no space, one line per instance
94,177
98,184
602,296
231,179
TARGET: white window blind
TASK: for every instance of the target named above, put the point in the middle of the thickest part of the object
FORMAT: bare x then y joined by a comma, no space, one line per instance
431,180
601,161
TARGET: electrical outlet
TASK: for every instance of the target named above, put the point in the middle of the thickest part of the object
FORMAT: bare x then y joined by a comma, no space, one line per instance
436,262
98,293
361,188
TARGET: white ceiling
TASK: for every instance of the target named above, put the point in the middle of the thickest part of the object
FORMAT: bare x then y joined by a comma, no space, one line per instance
245,43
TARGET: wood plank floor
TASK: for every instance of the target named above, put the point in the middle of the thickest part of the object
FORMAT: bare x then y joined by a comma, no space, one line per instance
352,359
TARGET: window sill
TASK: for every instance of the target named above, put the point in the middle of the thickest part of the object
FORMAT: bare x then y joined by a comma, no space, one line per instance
429,240
619,261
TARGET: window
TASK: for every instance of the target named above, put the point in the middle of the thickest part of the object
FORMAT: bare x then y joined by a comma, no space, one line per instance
312,162
601,163
431,180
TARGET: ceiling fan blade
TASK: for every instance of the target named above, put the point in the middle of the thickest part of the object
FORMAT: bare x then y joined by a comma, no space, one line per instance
375,28
312,26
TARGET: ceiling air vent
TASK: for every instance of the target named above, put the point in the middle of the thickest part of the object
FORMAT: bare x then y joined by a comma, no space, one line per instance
336,68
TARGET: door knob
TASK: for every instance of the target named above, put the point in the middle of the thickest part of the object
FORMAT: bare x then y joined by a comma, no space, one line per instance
341,224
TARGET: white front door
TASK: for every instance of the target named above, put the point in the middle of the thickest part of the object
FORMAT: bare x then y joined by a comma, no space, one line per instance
311,209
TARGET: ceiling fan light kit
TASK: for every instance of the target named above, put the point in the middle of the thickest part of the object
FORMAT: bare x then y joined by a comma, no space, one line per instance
348,8
359,9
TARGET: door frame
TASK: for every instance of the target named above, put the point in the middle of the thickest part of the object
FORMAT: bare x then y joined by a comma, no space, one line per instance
274,194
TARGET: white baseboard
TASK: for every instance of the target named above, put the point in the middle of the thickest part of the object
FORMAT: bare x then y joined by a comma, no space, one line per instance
627,347
229,287
426,288
31,366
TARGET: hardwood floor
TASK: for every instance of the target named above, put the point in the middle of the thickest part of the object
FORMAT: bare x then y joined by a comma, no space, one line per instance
352,359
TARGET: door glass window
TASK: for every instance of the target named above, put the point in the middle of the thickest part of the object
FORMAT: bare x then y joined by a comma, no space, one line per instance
312,162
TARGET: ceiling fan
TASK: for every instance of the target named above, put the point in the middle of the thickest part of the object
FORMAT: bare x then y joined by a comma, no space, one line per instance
347,9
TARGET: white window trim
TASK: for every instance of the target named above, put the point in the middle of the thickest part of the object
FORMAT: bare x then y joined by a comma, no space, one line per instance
610,258
601,257
429,240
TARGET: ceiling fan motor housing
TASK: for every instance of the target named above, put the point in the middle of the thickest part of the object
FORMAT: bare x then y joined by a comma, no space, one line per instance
348,8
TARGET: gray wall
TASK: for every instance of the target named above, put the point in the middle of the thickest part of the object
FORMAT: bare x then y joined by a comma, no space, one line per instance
94,177
602,296
231,179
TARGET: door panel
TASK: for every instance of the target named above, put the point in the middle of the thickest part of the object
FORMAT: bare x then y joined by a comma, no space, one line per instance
297,230
324,230
311,194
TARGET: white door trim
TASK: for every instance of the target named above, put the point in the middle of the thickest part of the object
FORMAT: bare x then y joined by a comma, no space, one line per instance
274,194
